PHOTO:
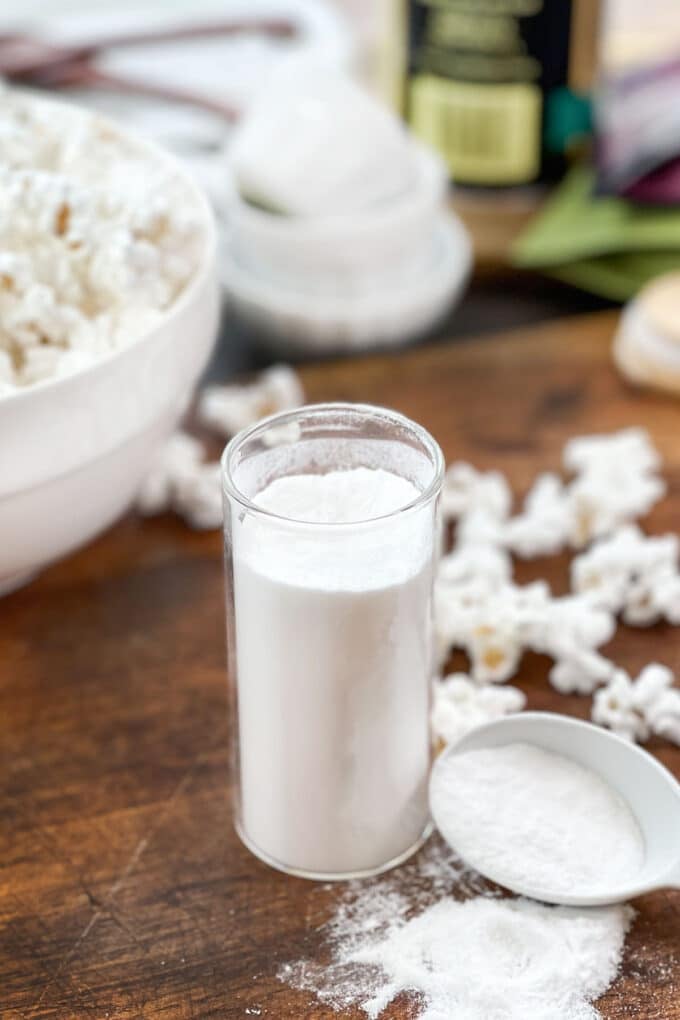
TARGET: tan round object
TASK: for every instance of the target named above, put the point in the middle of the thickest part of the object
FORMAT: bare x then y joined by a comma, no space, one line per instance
643,354
660,301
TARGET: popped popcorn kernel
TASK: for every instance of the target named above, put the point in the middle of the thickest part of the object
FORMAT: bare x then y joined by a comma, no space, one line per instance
228,409
635,709
97,238
460,705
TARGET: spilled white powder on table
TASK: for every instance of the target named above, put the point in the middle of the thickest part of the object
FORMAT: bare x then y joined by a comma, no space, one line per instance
436,932
536,820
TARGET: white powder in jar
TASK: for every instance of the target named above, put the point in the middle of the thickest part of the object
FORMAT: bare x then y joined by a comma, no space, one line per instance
333,659
533,819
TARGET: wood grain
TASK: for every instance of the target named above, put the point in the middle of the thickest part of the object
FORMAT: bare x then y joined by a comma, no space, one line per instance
123,889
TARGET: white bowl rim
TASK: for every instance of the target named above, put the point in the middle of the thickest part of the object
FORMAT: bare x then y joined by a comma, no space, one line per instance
188,293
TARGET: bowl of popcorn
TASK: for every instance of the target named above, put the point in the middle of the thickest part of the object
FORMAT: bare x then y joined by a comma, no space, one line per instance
108,313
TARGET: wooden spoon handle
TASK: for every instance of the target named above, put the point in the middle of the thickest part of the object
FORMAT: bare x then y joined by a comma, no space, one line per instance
27,57
84,76
277,27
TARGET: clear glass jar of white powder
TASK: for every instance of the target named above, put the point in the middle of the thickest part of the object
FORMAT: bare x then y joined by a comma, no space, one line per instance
331,535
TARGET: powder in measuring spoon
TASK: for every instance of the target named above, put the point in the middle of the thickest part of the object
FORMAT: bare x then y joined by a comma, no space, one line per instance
532,819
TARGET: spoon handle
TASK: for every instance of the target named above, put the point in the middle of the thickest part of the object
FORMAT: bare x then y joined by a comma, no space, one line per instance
85,75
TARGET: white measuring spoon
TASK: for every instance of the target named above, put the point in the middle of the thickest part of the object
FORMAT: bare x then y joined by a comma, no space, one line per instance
652,794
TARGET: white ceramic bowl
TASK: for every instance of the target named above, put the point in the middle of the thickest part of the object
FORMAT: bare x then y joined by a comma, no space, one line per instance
74,450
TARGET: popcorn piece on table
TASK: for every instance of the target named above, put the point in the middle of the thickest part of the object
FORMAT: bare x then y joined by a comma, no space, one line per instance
495,651
472,564
181,480
667,596
481,619
633,574
663,715
573,618
228,409
198,497
180,456
580,671
544,524
615,482
460,705
658,701
629,448
494,621
466,489
569,629
613,707
653,681
480,527
604,500
636,708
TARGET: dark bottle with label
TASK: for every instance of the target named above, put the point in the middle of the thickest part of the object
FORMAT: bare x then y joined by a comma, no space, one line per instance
494,84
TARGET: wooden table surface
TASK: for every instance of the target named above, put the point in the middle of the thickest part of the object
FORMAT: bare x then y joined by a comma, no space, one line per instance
123,889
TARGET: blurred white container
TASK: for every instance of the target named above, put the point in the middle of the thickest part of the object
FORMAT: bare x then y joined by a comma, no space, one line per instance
335,253
316,143
73,450
350,244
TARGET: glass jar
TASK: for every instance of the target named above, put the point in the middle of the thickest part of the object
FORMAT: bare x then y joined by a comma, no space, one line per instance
329,626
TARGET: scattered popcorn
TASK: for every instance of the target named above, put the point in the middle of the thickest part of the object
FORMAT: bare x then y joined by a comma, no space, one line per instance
569,630
97,239
481,611
178,457
613,707
614,484
664,716
485,621
198,497
480,527
543,527
630,449
636,708
228,409
494,650
580,672
602,501
467,489
460,705
653,681
633,574
181,480
494,620
485,564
